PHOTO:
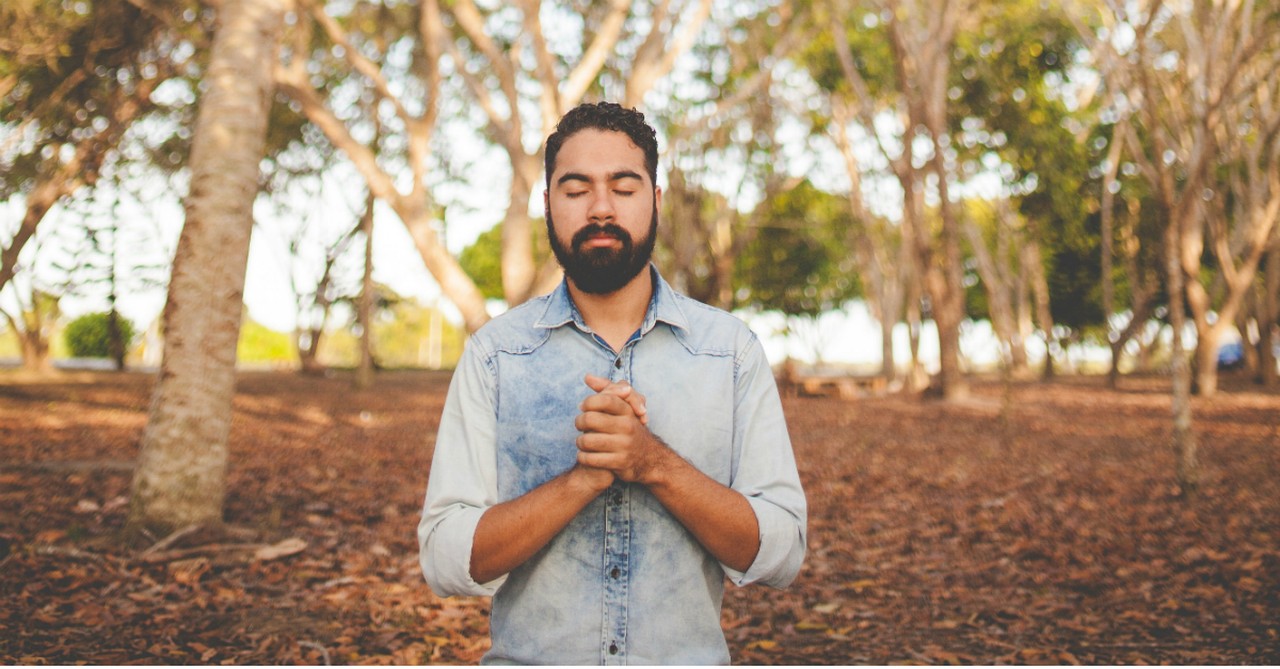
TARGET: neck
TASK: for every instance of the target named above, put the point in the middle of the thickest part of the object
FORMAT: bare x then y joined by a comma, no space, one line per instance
615,316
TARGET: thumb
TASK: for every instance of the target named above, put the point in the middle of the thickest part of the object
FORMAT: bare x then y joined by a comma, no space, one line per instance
597,383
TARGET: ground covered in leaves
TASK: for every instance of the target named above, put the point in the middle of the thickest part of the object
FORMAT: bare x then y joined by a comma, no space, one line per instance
1033,524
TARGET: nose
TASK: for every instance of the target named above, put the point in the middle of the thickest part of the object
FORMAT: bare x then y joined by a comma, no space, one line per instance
601,210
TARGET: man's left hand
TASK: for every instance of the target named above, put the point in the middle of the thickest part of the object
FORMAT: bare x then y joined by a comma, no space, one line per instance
614,435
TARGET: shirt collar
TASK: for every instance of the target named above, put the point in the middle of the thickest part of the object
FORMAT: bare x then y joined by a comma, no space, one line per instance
663,307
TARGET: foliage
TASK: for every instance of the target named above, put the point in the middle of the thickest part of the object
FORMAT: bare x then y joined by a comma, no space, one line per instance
260,344
82,68
403,337
797,263
89,336
482,259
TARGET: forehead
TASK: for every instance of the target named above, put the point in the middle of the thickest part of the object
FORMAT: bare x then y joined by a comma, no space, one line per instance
593,152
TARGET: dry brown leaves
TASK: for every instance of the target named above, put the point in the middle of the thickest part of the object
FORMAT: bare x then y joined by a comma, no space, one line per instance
1043,530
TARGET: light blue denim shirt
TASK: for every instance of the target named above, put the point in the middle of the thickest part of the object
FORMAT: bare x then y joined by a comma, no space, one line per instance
624,582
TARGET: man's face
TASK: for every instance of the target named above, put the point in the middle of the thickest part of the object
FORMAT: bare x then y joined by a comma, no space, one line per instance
602,210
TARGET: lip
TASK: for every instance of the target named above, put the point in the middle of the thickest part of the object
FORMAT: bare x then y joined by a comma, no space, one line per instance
597,241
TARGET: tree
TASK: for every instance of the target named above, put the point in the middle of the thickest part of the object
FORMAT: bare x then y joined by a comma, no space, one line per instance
723,159
509,66
364,309
83,75
921,39
1187,78
33,325
361,41
797,262
181,475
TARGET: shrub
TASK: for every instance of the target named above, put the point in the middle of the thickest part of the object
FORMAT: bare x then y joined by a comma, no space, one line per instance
89,336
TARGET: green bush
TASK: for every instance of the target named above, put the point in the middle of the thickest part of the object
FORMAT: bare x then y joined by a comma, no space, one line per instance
89,336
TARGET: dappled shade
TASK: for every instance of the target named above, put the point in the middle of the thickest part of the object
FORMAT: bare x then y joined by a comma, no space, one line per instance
1037,526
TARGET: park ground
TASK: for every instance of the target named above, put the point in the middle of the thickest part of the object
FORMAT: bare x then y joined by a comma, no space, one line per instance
1036,523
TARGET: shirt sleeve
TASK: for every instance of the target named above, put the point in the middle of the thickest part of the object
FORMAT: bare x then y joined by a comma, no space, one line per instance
462,482
766,475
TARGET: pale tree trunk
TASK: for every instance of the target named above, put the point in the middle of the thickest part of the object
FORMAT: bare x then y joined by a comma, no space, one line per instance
998,278
1032,259
946,283
1144,287
32,343
181,475
364,373
1109,188
1184,442
310,328
1269,319
412,207
907,269
874,252
921,37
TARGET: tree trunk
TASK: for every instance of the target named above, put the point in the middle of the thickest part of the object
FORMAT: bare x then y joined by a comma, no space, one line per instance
35,352
364,373
1040,289
181,475
308,344
1184,442
116,344
1268,320
1000,292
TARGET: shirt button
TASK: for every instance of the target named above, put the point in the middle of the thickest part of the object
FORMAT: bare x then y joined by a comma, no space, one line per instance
614,572
617,364
613,649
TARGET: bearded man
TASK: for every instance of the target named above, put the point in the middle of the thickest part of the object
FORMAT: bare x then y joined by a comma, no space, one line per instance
611,452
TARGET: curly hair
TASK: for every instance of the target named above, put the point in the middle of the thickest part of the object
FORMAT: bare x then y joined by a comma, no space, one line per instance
605,116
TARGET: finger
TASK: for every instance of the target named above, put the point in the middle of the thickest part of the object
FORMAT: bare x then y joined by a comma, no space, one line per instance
597,383
603,385
597,442
596,460
638,405
606,403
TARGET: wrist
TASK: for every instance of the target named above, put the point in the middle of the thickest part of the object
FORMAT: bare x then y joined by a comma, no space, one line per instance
661,462
590,480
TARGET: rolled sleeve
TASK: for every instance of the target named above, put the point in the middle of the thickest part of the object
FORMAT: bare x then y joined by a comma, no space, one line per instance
766,475
462,483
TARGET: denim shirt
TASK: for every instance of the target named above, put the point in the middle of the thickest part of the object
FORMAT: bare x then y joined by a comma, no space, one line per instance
624,582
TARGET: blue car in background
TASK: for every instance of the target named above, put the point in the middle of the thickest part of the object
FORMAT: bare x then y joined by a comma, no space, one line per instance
1231,355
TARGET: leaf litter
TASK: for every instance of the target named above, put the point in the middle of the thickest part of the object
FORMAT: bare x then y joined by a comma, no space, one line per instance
1037,525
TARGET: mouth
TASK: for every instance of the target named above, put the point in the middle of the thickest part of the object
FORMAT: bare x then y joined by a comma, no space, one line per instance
599,237
601,240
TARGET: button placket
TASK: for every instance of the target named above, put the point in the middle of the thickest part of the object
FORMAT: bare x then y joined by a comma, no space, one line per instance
616,574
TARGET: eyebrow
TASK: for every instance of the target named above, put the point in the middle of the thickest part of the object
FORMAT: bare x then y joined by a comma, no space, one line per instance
612,176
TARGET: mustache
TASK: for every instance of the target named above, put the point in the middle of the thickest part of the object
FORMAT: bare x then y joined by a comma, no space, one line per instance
595,230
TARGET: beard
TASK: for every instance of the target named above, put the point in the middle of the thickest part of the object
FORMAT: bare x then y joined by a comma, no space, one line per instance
603,270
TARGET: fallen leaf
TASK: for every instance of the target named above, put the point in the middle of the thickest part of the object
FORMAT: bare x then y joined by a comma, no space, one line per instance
282,549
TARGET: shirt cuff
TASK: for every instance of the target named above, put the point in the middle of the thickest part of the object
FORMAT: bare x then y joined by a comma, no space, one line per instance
781,548
445,556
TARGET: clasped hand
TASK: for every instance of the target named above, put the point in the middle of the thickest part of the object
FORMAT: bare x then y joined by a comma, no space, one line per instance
615,437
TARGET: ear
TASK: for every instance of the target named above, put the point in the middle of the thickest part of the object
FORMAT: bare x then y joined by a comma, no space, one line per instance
657,197
546,199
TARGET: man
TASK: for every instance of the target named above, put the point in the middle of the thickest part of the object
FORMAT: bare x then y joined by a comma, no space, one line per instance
602,520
